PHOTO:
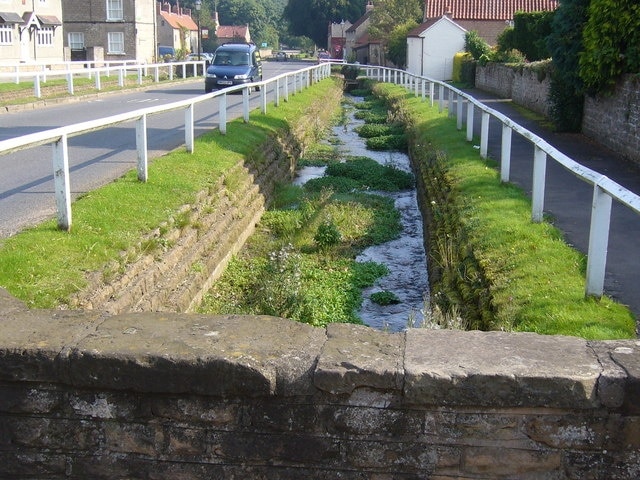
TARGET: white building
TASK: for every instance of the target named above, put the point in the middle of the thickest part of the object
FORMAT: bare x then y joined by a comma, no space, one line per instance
431,47
31,31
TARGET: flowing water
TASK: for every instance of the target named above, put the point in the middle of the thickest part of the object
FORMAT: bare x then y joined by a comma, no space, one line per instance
405,256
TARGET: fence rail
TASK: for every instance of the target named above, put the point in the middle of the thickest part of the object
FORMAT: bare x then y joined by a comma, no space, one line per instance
605,190
73,71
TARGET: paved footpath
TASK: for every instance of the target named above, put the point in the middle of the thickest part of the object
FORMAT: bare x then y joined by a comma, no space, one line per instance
568,199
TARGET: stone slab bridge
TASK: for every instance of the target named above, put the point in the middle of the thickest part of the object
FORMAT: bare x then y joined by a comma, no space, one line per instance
86,395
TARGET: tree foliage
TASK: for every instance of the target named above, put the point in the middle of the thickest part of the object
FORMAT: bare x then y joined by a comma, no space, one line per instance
310,18
528,35
611,43
565,44
397,43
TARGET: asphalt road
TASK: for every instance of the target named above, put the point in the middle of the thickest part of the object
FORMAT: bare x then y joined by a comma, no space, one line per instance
97,158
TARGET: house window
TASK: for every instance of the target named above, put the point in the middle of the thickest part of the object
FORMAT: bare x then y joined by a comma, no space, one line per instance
44,37
115,10
6,34
116,42
76,40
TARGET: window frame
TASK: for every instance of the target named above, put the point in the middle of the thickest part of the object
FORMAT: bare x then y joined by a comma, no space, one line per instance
45,36
6,34
115,10
112,42
72,44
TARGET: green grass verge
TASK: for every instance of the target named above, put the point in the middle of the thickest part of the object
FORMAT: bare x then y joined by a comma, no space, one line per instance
45,267
528,277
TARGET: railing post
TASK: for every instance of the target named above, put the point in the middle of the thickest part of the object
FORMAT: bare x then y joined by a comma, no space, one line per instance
432,88
459,111
156,74
189,130
70,82
537,189
440,98
61,182
598,241
505,155
484,135
139,76
470,112
276,101
245,105
263,98
286,88
121,77
98,81
141,147
36,86
222,113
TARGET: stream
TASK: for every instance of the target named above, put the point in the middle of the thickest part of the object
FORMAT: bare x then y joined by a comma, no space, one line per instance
405,256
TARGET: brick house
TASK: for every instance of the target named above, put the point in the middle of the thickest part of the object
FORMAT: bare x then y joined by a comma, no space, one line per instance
31,31
432,45
109,30
487,17
230,33
176,28
359,46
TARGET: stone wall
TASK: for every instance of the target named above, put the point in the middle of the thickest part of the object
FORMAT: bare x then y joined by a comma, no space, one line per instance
525,86
614,120
182,396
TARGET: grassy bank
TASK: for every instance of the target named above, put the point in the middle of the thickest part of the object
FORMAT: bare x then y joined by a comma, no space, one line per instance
45,267
488,261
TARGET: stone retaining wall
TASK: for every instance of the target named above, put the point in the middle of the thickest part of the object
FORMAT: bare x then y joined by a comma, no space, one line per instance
611,119
614,120
524,86
168,396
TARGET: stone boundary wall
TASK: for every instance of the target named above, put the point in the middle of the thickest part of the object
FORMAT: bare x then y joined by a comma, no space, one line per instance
185,396
522,85
614,120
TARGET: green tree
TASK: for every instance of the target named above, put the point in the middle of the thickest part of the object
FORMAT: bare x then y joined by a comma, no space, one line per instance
565,44
311,18
389,18
611,43
397,43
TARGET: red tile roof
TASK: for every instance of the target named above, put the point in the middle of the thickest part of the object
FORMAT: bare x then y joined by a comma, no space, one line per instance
485,9
176,21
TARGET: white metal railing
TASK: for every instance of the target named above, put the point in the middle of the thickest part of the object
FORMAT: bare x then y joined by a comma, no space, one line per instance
58,137
73,71
604,189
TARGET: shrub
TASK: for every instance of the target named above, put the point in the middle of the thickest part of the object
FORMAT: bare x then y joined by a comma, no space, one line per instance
385,298
327,235
476,46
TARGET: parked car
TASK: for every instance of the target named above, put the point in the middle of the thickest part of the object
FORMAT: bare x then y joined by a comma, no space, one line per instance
207,57
233,64
281,56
